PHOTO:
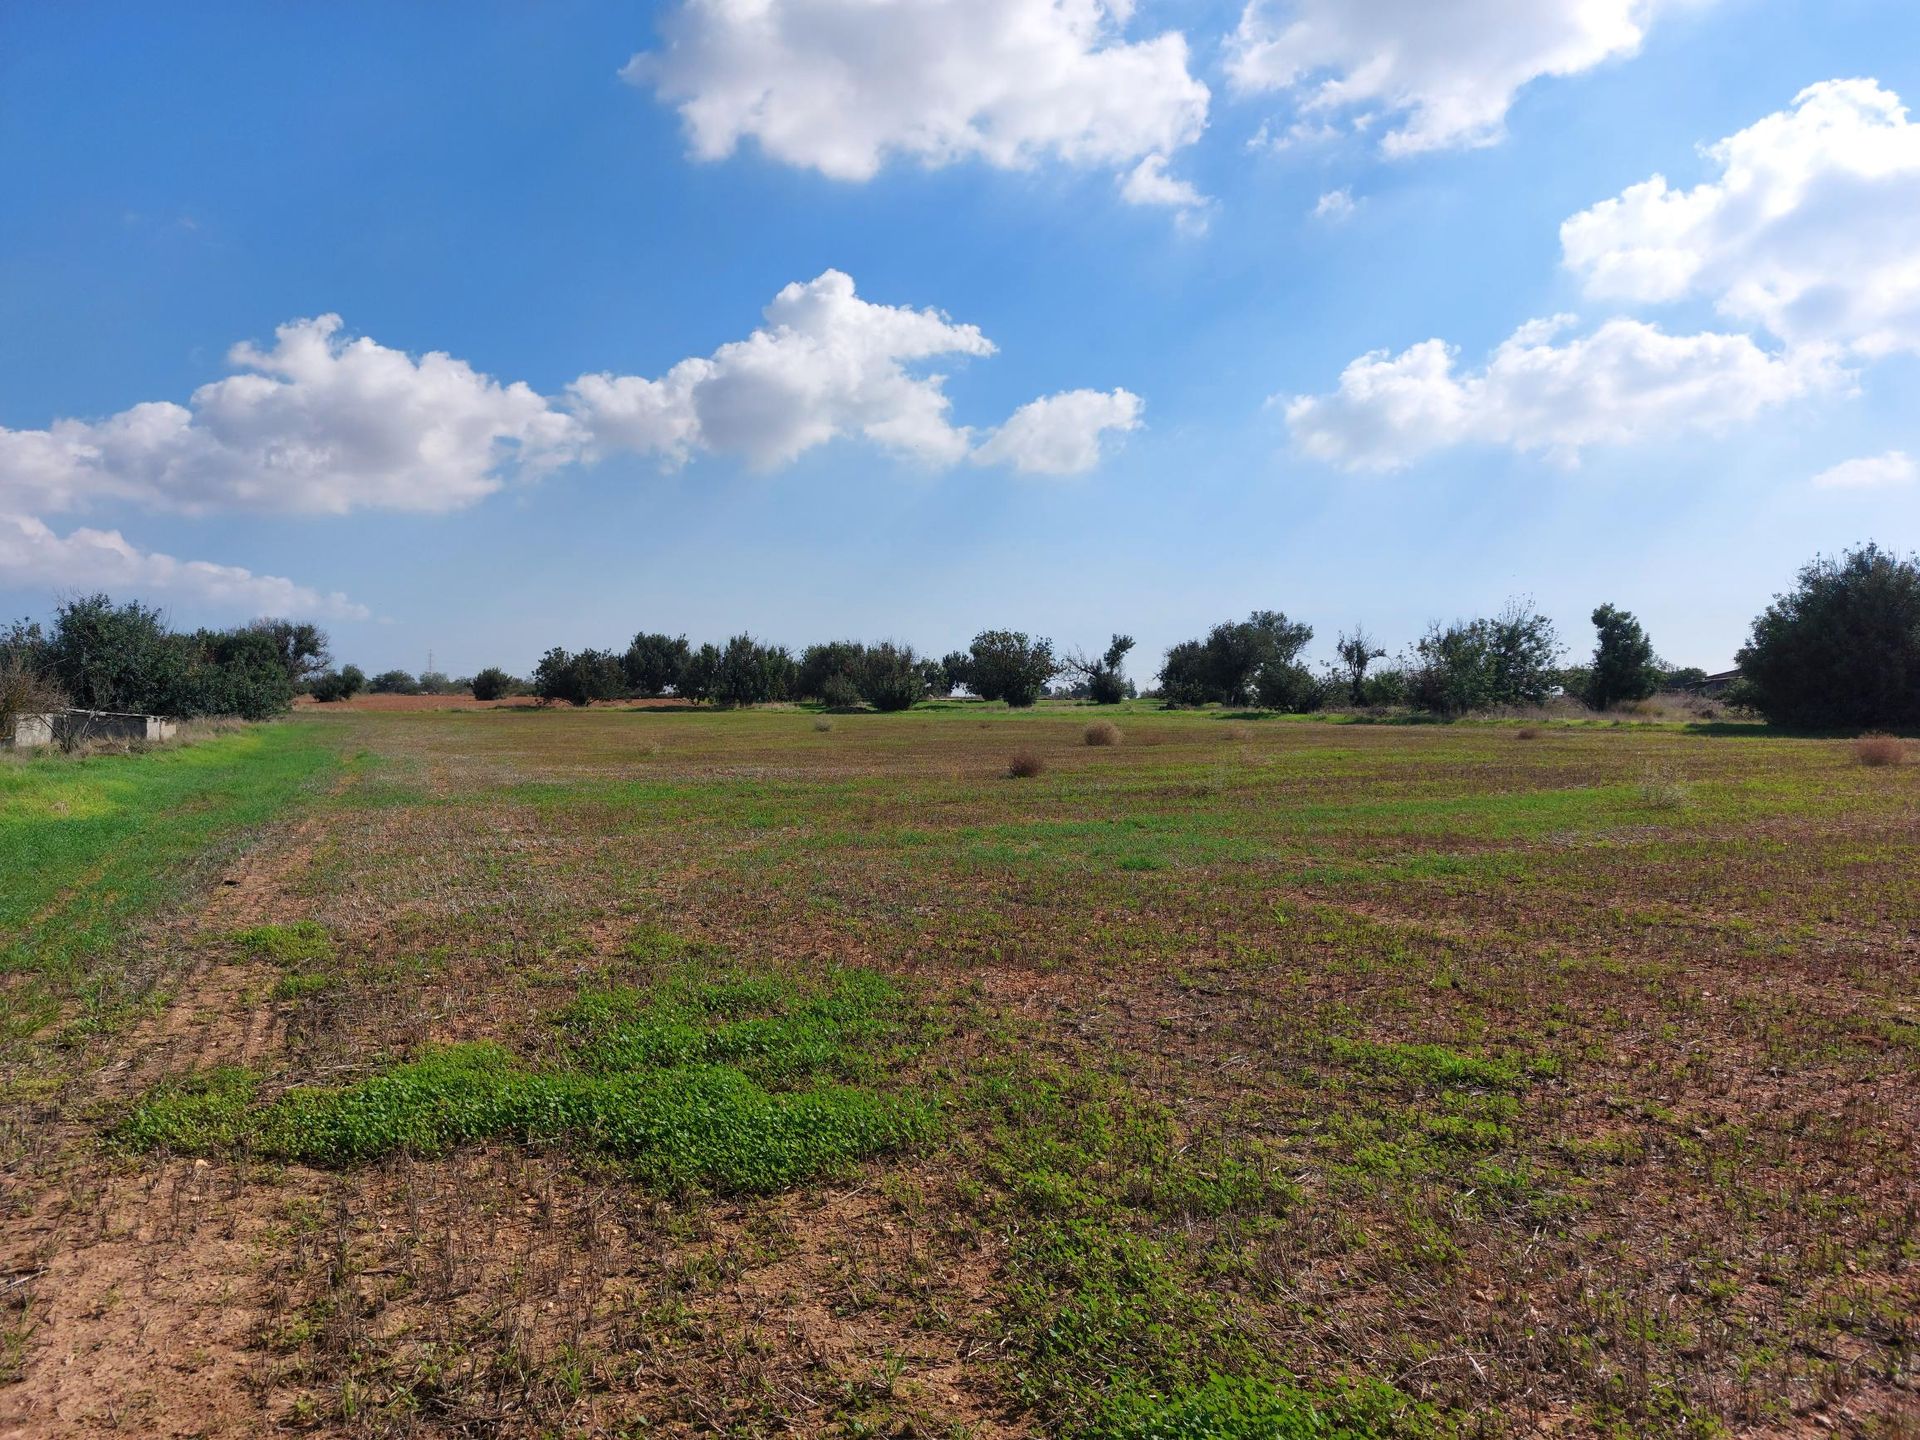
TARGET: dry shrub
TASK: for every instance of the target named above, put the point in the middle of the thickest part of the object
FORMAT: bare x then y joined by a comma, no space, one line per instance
823,724
24,691
1527,732
1879,750
1024,765
1103,732
1660,789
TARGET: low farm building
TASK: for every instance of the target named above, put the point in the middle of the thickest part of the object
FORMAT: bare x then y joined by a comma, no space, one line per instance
68,727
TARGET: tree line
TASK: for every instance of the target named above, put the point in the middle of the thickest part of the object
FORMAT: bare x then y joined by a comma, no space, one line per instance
1840,650
96,654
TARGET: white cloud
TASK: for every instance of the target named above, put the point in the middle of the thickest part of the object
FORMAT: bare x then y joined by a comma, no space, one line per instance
1148,183
1447,72
1895,467
1061,434
1336,207
1812,228
317,425
31,555
1627,381
321,425
826,364
842,86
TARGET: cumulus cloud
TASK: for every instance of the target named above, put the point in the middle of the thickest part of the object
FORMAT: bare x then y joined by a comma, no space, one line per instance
1875,472
32,555
1811,227
1336,207
826,364
843,86
1625,382
317,424
1446,73
1148,183
1061,434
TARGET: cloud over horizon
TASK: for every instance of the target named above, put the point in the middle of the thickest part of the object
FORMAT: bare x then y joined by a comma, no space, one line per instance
1627,381
32,554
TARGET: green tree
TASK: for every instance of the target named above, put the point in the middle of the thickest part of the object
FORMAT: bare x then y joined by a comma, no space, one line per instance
1225,668
750,673
1357,651
302,647
653,663
579,678
697,675
1104,679
1624,668
116,657
1842,649
394,682
1007,665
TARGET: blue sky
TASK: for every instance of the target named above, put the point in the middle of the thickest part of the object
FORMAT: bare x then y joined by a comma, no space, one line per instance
1166,431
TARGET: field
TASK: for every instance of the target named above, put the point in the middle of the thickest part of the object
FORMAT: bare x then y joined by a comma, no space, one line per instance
659,1072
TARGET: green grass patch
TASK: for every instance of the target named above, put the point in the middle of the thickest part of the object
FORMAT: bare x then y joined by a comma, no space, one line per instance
726,1085
305,942
94,845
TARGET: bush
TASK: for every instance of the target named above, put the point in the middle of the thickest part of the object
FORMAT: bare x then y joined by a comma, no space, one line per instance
493,683
1024,765
1291,689
1842,650
338,685
1479,664
1102,732
1879,750
821,665
24,691
839,693
653,663
889,677
1006,665
394,682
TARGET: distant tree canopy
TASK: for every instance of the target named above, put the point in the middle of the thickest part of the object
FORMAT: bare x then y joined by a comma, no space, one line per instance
1624,667
341,684
578,678
826,673
492,683
1240,661
1103,680
394,682
1006,665
1357,651
1482,664
653,663
302,647
889,677
750,673
1842,649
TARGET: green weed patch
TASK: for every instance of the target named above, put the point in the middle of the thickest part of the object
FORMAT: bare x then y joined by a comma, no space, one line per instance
728,1086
